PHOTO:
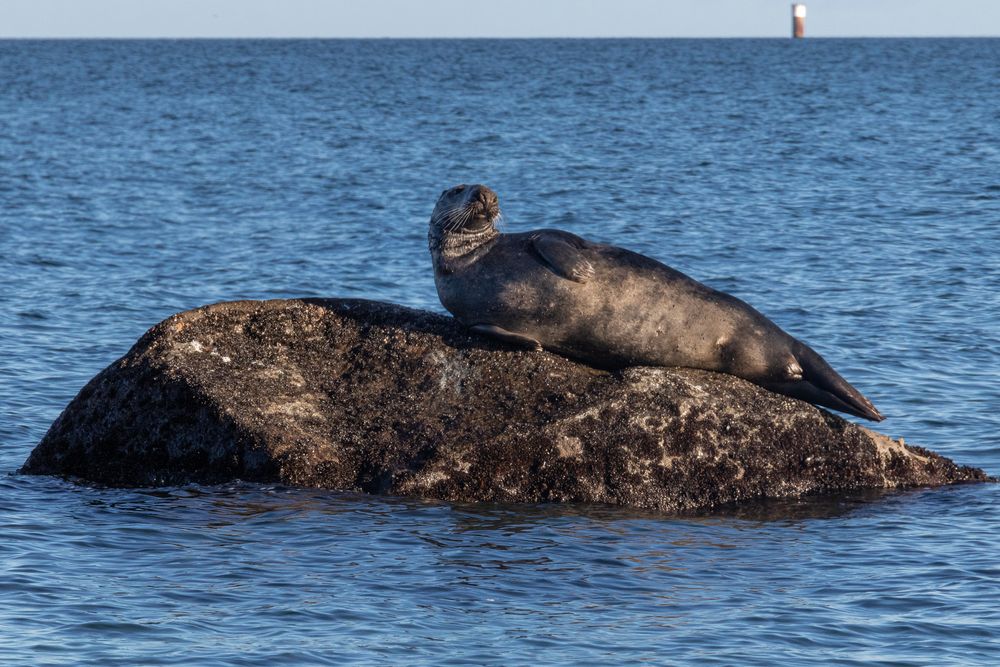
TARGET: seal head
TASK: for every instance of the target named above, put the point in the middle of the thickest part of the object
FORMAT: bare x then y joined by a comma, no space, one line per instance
462,224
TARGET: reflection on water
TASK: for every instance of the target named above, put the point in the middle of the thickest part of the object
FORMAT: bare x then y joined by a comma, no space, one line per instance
261,566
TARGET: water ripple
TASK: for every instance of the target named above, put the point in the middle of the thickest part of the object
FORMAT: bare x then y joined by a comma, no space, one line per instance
853,198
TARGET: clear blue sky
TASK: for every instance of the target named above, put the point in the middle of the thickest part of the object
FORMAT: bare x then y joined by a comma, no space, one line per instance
502,18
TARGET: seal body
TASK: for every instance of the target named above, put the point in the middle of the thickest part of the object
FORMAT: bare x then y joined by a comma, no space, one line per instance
611,307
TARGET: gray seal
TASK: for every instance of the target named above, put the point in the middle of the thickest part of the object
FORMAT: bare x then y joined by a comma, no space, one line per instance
610,307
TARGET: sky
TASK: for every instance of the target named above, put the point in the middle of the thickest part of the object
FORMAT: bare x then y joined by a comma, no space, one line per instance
499,18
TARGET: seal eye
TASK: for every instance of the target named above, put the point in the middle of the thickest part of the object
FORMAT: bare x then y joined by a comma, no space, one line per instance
457,189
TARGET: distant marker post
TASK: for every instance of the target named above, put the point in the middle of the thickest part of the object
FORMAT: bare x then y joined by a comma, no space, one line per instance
798,20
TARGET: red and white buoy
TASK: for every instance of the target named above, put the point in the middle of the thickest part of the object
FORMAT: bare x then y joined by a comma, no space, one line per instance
798,20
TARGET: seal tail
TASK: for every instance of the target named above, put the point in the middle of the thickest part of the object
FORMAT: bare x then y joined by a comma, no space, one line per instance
822,385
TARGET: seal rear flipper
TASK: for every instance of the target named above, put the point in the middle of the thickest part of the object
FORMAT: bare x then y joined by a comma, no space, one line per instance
822,385
517,339
810,393
561,251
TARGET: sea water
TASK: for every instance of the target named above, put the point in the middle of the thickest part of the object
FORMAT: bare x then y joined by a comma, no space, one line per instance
849,189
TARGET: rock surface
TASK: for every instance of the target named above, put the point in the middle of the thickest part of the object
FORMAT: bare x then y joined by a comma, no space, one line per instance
368,396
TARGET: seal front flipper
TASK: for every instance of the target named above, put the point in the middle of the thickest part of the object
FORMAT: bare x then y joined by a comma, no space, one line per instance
517,339
561,251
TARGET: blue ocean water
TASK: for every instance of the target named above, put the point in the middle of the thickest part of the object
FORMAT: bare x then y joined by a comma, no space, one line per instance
849,189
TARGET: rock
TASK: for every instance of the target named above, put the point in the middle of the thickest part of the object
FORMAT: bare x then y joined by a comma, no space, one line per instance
367,396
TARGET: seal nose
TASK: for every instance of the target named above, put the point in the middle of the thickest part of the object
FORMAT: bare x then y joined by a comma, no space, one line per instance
483,195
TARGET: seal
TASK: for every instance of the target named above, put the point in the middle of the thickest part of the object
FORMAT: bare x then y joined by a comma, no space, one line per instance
610,307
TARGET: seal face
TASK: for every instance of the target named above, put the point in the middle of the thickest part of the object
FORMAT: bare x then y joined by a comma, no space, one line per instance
611,307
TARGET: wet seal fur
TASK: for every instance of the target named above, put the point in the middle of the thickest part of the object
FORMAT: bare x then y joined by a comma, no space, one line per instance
610,307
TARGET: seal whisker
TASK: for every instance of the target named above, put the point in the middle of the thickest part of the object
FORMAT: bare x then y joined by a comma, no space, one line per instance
458,210
452,212
462,219
454,221
452,218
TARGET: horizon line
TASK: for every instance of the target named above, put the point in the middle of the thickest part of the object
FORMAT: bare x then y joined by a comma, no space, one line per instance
483,38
